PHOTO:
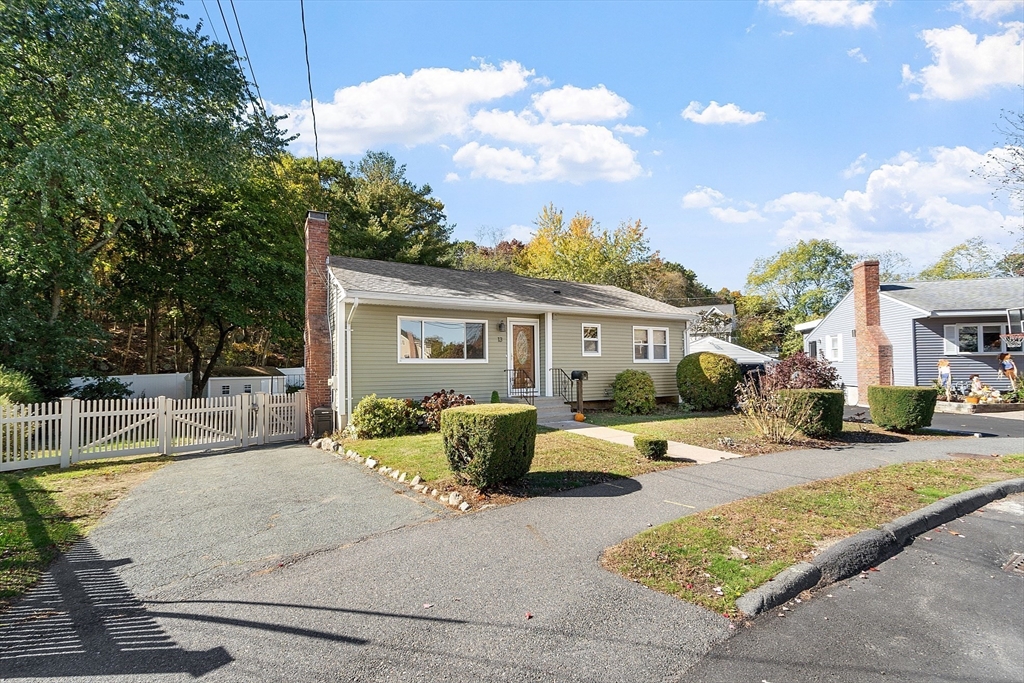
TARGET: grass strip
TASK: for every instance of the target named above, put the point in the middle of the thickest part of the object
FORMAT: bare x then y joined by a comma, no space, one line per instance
561,461
44,511
738,546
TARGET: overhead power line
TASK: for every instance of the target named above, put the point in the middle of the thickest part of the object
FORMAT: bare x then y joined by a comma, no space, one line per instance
309,80
248,61
210,19
234,51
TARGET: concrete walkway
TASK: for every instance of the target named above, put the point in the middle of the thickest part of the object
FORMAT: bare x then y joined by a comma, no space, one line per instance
510,594
677,450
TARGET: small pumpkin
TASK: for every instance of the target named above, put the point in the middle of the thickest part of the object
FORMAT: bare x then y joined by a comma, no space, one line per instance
579,417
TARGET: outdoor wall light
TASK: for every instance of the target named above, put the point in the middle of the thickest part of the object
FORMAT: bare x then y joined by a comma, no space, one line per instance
501,326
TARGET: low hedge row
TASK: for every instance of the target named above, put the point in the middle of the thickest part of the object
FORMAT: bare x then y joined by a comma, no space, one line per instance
491,443
822,407
902,409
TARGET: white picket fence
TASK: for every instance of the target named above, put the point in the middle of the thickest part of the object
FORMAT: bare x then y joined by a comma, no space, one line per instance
70,430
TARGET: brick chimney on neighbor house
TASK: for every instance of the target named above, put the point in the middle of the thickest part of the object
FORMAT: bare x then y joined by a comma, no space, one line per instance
317,334
874,352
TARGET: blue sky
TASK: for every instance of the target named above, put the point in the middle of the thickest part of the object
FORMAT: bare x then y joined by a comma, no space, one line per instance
855,121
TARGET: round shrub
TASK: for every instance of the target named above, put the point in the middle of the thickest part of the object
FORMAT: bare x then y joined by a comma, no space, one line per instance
652,449
380,418
495,398
491,443
18,387
902,409
633,391
821,408
707,381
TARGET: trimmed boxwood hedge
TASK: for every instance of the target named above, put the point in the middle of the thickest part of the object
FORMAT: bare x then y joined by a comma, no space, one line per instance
491,443
826,409
652,449
707,381
902,409
633,392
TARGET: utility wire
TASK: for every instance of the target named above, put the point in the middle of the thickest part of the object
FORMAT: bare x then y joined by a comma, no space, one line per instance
309,80
210,19
238,61
248,61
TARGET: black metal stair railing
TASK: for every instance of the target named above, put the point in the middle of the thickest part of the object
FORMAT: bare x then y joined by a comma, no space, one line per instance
563,385
521,385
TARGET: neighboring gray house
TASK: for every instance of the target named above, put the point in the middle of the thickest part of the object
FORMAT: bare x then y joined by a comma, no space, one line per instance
404,330
959,320
717,312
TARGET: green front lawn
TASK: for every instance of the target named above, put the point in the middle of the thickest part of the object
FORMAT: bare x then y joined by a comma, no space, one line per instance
726,431
44,511
562,461
738,546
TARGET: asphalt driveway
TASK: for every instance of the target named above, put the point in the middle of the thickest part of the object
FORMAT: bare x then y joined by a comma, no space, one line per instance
308,568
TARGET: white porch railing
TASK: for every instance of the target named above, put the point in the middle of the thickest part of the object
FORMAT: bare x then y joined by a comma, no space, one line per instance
70,430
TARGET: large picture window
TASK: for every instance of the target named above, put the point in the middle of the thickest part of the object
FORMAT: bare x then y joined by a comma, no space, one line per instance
440,340
973,339
650,345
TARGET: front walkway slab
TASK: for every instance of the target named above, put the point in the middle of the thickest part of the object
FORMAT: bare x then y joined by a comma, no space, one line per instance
677,450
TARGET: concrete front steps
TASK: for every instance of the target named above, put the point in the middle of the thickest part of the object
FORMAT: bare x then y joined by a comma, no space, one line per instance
552,409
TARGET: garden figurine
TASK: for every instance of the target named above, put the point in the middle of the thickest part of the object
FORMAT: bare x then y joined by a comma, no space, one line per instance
946,378
976,384
1008,369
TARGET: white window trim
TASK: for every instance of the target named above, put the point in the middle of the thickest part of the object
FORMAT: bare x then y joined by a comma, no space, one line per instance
951,347
439,361
834,355
583,340
650,345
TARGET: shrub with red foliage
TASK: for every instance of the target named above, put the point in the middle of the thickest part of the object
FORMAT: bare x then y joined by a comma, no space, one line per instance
800,371
439,400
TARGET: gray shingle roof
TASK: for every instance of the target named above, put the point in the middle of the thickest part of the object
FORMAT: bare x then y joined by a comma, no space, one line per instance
463,287
959,295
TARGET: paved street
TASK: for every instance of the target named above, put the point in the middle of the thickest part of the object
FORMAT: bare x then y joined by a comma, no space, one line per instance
942,610
289,564
1007,425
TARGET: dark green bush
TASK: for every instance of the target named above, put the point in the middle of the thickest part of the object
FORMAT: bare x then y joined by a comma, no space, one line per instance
821,408
707,381
102,389
633,391
902,409
380,418
489,444
495,398
652,449
18,387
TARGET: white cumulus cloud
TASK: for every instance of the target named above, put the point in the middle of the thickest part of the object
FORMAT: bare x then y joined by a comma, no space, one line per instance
856,167
919,206
570,104
989,10
731,215
568,152
719,114
452,178
827,12
702,197
855,53
638,131
965,67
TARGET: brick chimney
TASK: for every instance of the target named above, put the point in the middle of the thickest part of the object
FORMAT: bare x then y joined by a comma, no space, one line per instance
317,334
874,352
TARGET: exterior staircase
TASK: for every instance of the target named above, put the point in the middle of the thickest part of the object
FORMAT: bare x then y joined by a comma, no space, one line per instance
550,409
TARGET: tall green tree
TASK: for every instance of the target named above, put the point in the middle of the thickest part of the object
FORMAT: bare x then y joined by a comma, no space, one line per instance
808,278
108,106
968,260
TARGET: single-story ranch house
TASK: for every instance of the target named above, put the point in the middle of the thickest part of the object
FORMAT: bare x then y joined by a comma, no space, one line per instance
961,321
406,331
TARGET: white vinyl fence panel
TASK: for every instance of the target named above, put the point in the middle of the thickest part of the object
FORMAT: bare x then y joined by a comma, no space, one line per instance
70,430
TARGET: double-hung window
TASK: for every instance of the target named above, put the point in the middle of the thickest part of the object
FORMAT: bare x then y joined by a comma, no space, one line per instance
973,339
650,345
591,339
441,340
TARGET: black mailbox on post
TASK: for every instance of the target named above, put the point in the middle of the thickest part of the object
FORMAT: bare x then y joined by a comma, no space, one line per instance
578,374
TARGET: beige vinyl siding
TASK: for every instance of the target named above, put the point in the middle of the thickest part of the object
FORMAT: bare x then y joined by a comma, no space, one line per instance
616,352
376,369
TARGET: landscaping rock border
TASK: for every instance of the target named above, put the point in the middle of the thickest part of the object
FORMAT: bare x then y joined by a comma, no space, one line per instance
452,499
868,548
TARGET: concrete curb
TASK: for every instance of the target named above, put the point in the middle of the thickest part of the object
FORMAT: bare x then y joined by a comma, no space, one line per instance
868,548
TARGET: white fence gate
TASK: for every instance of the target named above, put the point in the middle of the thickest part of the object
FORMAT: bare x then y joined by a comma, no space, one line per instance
70,430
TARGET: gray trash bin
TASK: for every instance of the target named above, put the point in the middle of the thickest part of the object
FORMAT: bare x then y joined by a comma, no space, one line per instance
323,421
